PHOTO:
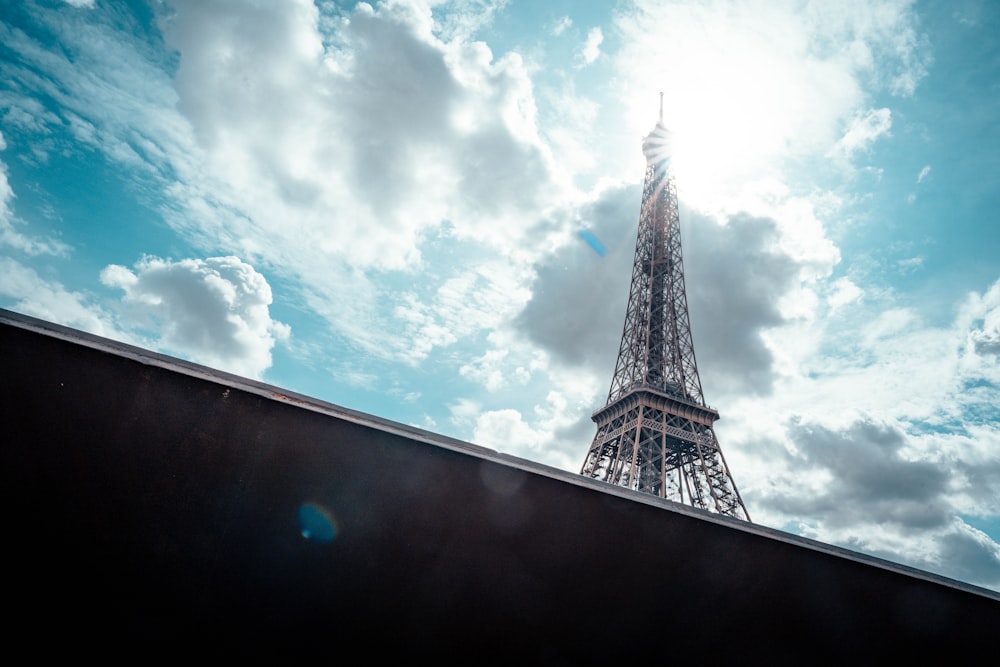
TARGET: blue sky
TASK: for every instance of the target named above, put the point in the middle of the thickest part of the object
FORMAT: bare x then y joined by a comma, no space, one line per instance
400,207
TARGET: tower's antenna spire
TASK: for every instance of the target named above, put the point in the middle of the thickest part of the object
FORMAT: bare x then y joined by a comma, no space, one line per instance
661,106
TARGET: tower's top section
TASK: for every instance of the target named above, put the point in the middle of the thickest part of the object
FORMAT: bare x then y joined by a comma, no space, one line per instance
656,144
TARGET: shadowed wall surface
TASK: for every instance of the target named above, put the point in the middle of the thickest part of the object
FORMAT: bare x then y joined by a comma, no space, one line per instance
156,508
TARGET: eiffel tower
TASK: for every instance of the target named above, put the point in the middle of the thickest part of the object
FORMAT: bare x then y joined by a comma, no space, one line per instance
655,434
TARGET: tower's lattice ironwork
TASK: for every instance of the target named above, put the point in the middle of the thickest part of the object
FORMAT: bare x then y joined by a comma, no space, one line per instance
656,434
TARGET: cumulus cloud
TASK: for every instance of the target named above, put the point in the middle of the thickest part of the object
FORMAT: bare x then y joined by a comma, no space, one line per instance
383,163
872,487
868,477
591,49
214,311
736,275
506,430
578,297
984,335
967,554
310,157
903,447
263,136
544,432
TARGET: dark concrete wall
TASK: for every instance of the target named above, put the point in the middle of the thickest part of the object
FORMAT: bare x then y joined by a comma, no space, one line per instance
153,510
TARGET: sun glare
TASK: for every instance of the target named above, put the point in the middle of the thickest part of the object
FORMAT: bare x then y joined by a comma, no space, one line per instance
729,105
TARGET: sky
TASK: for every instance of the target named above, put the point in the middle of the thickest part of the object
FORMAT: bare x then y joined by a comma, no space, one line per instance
426,211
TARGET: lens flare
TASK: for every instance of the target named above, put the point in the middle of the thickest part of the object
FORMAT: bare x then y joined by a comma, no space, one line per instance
317,523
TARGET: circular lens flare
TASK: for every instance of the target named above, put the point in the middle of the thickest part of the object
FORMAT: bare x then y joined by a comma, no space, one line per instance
317,523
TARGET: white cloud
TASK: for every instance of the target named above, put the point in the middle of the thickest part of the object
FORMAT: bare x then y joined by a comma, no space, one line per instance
591,49
385,165
561,25
924,173
49,300
879,437
10,236
489,369
980,318
464,411
213,311
885,492
864,130
506,430
507,362
271,143
445,146
464,304
844,292
540,436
